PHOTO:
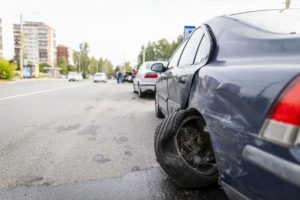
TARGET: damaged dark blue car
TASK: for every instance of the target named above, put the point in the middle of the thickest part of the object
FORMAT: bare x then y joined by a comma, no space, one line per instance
231,98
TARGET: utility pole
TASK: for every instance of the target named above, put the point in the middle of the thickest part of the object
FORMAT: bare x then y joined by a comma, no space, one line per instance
287,4
144,53
21,46
79,66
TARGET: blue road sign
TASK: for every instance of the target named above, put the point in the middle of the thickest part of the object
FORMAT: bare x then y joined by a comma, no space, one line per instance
188,30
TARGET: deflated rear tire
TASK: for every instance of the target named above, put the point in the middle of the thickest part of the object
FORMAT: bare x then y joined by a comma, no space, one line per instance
184,151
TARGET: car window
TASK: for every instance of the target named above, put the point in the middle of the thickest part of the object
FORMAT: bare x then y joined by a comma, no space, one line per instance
203,50
175,58
189,53
278,21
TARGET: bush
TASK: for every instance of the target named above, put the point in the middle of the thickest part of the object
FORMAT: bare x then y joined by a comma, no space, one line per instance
6,69
42,67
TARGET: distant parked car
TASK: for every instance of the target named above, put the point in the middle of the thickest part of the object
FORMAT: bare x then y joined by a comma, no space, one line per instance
100,77
128,77
74,76
145,78
231,97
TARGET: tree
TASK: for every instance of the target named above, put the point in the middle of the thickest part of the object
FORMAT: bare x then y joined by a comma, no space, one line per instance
106,66
84,59
127,67
110,71
117,69
85,64
42,67
71,68
63,64
7,69
160,50
93,67
76,60
101,65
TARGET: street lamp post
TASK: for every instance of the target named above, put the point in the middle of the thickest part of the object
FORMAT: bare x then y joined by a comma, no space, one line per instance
144,53
21,45
287,4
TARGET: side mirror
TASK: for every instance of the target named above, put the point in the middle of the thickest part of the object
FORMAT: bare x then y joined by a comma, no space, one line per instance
158,67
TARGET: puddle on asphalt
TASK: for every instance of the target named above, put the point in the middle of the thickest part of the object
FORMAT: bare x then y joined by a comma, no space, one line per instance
147,184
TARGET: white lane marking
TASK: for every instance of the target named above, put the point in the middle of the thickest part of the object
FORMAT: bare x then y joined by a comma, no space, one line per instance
38,92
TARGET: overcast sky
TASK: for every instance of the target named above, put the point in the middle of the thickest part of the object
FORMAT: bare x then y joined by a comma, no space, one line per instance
116,29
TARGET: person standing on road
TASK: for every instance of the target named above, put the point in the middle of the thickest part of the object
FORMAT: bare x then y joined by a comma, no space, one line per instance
120,76
117,76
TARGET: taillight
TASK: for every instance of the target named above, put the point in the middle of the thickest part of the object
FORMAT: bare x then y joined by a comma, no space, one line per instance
283,122
151,75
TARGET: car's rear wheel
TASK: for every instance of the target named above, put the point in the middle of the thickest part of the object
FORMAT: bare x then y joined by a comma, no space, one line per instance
140,93
158,112
184,151
134,90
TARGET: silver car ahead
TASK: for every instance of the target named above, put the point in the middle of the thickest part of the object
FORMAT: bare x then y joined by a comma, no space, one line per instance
100,77
145,79
74,76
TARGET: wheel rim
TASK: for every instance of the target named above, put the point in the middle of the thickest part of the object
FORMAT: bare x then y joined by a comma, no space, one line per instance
193,145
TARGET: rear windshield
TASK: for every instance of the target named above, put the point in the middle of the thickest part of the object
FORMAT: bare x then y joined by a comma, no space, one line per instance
278,21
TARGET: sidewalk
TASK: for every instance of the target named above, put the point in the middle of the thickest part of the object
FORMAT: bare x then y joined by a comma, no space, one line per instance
28,80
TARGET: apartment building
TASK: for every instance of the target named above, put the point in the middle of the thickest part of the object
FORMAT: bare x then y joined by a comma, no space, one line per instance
39,42
64,52
1,43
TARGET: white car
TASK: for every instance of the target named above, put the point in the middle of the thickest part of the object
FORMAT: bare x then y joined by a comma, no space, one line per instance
145,78
74,76
100,77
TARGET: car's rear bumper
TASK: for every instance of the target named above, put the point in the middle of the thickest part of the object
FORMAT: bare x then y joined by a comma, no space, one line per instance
146,87
277,166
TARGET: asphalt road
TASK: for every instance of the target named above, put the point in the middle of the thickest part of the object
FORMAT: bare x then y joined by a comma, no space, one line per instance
61,140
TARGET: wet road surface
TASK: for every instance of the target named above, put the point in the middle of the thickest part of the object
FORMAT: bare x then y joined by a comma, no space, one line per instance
146,184
61,140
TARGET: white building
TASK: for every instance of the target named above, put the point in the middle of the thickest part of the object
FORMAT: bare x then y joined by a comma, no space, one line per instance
39,42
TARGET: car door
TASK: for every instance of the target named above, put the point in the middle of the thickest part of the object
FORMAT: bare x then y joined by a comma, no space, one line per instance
162,82
194,56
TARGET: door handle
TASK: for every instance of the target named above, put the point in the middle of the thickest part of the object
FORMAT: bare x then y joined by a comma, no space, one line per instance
164,77
168,73
181,79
